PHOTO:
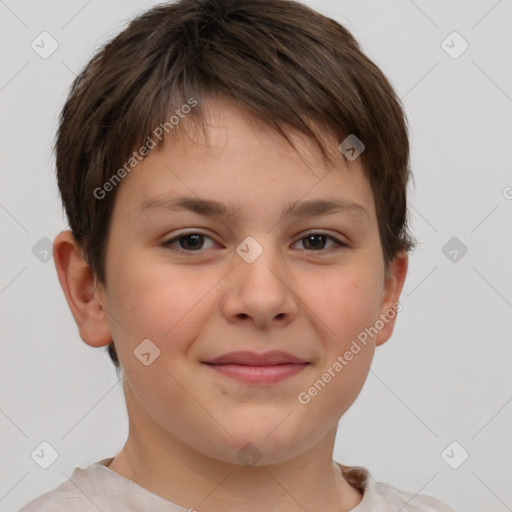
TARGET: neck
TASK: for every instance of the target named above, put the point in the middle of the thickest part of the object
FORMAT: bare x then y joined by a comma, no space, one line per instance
175,471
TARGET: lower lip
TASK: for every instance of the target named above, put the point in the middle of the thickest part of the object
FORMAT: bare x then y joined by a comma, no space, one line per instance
258,374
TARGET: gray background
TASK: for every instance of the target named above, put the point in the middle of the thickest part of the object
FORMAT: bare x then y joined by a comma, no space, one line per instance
446,373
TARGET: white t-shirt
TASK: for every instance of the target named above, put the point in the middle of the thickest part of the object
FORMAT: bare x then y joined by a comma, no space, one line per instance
98,488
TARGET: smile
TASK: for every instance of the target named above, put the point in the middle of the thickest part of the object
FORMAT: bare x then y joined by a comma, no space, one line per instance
258,374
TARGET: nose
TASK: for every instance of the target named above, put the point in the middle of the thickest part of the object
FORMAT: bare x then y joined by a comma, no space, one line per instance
260,292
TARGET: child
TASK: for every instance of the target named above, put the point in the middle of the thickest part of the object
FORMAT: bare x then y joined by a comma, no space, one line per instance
260,129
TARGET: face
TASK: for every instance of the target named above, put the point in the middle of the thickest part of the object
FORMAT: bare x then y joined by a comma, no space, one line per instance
201,284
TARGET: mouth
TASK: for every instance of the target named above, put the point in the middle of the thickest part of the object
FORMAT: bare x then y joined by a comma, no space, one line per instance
257,368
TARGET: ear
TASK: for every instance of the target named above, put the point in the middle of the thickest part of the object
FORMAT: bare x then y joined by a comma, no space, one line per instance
390,306
79,286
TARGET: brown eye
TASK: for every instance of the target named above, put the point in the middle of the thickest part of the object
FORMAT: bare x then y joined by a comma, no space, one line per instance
317,242
188,242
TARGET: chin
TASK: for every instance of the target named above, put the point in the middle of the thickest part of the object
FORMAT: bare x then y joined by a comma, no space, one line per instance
263,443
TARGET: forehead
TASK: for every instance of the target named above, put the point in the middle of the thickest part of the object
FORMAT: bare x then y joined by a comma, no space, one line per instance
245,162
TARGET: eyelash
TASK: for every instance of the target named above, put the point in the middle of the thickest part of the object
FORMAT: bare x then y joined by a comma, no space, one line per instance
339,244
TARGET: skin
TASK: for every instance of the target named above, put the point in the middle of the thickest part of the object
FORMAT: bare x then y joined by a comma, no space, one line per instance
187,422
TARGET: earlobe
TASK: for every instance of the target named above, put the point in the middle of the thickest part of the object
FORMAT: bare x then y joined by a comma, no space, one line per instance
390,306
78,284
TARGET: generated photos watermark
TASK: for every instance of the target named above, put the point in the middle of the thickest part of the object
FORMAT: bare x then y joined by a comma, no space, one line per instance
151,143
304,397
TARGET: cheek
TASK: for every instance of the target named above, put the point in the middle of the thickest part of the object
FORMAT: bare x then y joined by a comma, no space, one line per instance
344,304
162,306
167,306
345,308
155,299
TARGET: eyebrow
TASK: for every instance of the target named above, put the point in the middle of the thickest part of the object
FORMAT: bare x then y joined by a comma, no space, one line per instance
213,208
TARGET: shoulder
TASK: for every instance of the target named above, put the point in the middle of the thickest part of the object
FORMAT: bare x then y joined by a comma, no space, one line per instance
82,492
381,497
60,500
409,502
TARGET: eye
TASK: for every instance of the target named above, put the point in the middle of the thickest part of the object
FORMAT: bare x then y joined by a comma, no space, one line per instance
188,242
317,241
195,241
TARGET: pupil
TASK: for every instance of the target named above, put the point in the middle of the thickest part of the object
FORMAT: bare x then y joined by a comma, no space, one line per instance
187,238
314,237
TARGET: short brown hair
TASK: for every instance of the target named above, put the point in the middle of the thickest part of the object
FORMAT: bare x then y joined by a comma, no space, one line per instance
280,60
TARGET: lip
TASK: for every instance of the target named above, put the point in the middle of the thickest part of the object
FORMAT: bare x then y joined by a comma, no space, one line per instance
246,358
257,368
